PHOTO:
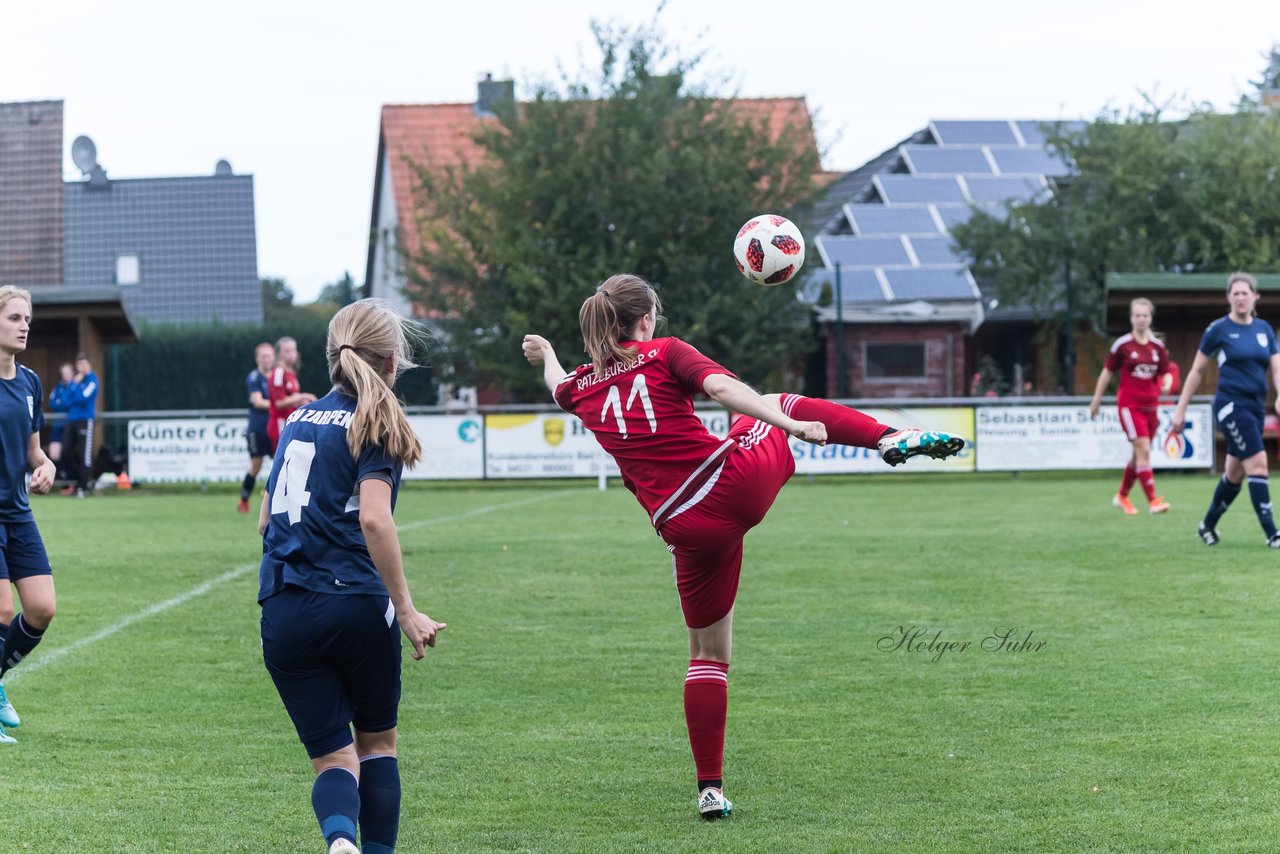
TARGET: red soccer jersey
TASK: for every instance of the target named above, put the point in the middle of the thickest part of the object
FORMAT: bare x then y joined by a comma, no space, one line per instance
643,417
282,384
1140,367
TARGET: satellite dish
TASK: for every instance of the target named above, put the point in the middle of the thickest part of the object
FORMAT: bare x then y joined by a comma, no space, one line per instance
84,154
222,169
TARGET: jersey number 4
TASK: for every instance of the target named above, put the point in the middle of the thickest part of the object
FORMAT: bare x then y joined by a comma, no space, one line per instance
291,486
640,389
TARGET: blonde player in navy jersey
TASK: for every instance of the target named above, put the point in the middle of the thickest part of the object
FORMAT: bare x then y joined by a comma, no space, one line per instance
23,562
1245,348
702,493
332,584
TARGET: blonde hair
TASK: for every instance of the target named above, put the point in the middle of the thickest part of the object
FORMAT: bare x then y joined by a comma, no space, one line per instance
8,292
1137,301
362,337
611,313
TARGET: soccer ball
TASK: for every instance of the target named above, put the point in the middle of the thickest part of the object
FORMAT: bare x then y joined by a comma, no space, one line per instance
769,249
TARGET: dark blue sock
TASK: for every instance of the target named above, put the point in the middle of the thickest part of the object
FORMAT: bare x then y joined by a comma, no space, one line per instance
1261,495
19,640
379,804
246,487
336,799
1222,498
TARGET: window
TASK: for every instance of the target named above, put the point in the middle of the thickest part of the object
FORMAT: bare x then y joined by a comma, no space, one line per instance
895,361
127,270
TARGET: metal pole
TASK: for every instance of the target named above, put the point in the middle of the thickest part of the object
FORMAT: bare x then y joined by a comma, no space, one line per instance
841,384
1069,354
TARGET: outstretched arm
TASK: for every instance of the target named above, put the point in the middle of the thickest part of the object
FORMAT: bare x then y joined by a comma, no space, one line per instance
1104,380
1189,386
539,351
740,397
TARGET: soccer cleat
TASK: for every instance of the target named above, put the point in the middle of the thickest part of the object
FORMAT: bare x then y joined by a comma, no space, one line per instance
1123,502
70,490
900,445
712,804
1209,535
1274,542
343,846
1159,505
243,506
8,715
5,738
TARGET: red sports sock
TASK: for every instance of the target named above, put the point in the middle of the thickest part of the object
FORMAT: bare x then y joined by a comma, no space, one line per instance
706,702
1147,478
1126,482
845,426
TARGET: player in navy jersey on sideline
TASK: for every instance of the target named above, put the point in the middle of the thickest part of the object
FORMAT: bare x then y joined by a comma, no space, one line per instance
702,493
1245,349
60,401
23,562
332,585
1142,361
256,386
82,403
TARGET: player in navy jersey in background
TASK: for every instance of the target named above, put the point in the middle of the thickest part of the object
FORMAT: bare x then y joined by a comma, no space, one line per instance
60,401
23,562
1245,349
256,387
82,402
702,493
1142,361
332,584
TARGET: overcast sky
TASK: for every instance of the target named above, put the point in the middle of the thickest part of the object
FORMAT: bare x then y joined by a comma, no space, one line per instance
291,92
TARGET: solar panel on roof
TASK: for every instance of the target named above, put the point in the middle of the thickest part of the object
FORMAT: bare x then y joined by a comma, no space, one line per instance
1028,161
1033,132
1016,189
973,133
914,188
865,251
857,286
933,159
882,219
931,283
934,250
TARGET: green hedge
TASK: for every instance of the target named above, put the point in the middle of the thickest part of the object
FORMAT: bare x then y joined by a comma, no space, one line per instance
204,367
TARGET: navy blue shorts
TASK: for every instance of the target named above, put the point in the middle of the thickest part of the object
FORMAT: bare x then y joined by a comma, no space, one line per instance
1241,424
335,659
22,553
259,442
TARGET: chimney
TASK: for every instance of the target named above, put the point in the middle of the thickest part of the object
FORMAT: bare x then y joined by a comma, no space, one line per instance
492,94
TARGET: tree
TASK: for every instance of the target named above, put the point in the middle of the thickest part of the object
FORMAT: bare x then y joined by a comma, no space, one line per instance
277,299
339,293
638,170
1145,194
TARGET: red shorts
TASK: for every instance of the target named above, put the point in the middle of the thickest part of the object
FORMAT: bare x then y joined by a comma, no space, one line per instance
1137,423
705,539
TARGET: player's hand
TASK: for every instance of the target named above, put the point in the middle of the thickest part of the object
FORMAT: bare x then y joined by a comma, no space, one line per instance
1094,406
813,432
1179,421
308,397
42,478
536,349
1166,383
421,631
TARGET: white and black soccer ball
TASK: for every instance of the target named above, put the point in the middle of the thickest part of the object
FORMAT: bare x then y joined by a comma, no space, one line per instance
769,249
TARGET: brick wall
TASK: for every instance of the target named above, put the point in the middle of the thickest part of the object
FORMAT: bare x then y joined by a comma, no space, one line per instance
944,356
31,219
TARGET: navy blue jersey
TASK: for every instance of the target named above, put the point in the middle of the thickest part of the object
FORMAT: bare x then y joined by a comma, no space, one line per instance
83,398
256,382
1244,352
20,416
314,540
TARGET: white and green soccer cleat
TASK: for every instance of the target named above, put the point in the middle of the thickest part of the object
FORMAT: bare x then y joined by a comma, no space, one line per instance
901,445
712,804
8,714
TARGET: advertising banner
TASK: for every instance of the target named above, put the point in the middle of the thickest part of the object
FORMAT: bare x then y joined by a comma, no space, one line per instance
1029,438
841,459
188,450
452,447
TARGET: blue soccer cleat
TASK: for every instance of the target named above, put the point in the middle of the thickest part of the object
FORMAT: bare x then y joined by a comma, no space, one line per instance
8,714
712,804
5,738
901,445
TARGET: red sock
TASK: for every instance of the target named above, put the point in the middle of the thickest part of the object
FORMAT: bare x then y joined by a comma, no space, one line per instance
1147,478
1126,482
706,702
845,426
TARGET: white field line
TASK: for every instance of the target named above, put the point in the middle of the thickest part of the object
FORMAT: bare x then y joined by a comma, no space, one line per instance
54,655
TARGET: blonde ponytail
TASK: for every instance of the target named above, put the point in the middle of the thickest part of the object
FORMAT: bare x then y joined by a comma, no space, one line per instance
611,314
363,336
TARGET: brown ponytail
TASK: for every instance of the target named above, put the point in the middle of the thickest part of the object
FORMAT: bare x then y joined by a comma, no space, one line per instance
611,314
362,337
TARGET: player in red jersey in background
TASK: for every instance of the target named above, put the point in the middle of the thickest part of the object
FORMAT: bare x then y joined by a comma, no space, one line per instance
1142,361
283,392
702,493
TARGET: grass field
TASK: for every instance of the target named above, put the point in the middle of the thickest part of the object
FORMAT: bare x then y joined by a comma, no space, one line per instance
549,717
